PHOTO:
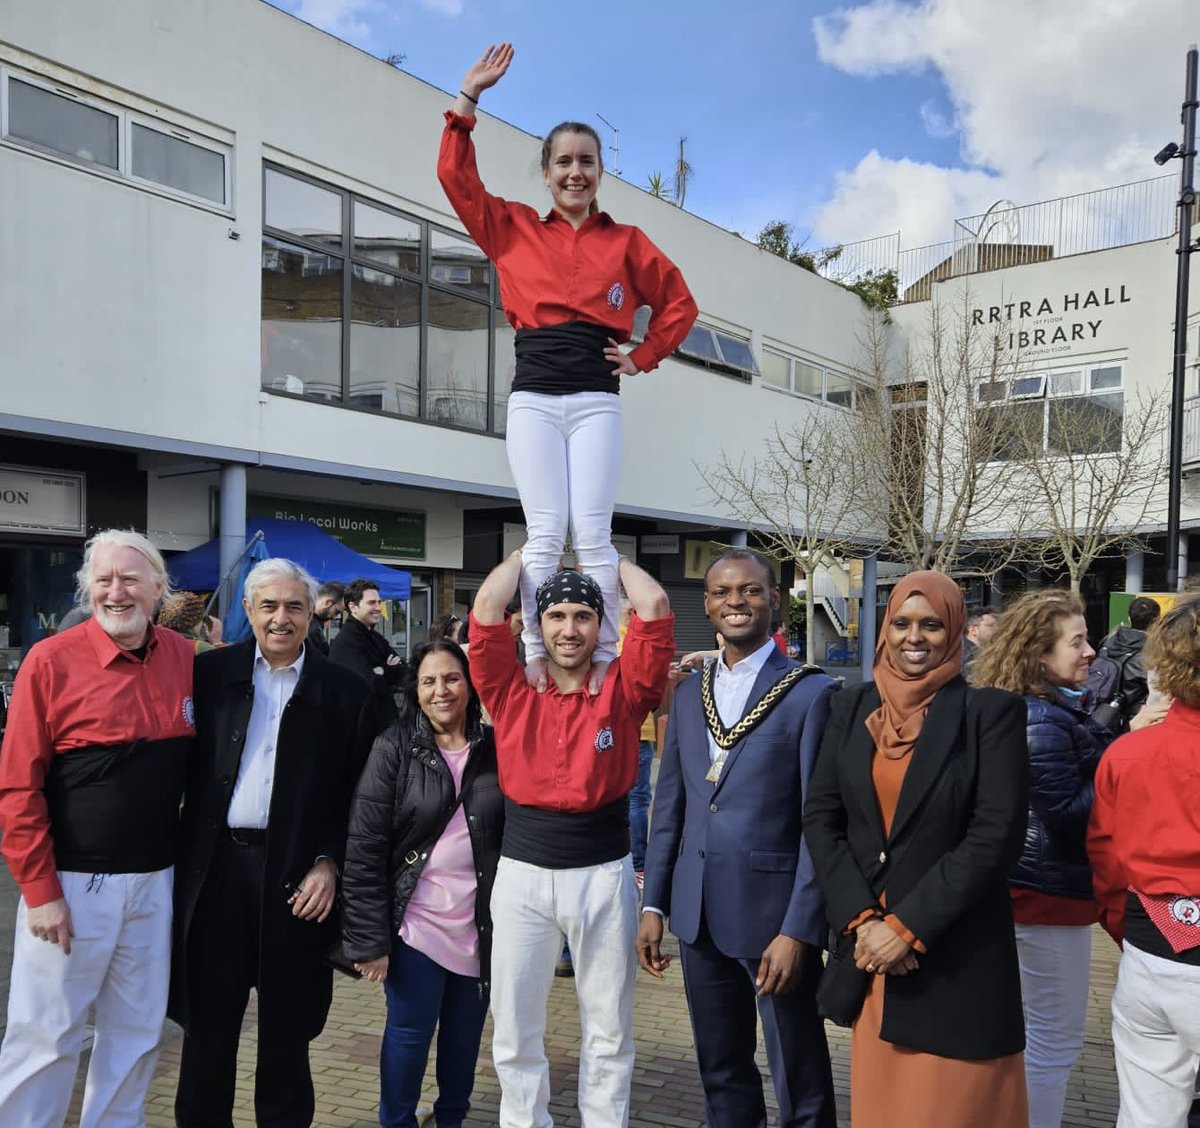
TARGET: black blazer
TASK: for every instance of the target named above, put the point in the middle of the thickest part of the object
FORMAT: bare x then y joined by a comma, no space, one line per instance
958,828
324,736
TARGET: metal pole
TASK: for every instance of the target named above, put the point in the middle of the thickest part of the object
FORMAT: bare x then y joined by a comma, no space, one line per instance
1187,197
866,616
233,530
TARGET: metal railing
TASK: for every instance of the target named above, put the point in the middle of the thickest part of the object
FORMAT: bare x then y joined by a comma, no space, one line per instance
1191,434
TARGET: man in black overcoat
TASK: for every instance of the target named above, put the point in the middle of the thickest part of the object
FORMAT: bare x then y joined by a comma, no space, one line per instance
282,734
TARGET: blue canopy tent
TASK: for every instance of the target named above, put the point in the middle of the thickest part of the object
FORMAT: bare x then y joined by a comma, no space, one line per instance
312,548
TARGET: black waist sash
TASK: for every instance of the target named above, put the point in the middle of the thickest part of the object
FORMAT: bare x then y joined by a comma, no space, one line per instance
115,808
560,359
565,839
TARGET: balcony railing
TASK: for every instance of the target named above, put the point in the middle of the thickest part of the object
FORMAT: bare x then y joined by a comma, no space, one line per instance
1191,435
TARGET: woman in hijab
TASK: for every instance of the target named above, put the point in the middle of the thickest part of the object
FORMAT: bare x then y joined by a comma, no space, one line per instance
916,813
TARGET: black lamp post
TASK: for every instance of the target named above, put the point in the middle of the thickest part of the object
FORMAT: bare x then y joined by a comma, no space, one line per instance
1187,198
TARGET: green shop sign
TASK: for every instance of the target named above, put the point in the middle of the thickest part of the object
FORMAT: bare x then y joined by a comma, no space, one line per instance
373,532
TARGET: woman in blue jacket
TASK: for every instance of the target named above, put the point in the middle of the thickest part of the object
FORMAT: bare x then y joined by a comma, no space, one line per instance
1041,650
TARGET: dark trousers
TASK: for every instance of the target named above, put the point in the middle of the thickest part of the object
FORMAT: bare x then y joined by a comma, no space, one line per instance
422,995
639,806
223,963
722,1002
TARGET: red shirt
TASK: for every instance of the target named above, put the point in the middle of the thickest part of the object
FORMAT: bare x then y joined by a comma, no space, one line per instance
1144,832
74,690
551,273
570,751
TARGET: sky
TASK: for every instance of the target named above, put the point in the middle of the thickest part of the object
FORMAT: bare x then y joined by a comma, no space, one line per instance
847,122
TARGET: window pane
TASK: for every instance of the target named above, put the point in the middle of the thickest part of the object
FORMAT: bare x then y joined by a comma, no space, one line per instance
1013,431
1066,383
699,343
385,342
1025,386
776,369
304,209
993,391
1085,424
458,262
1106,378
301,321
390,239
808,380
178,164
506,364
458,361
80,132
839,389
737,352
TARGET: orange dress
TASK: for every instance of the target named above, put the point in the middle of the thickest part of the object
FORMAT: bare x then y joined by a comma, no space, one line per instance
895,1087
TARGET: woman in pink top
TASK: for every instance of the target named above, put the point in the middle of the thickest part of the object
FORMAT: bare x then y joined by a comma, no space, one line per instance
424,842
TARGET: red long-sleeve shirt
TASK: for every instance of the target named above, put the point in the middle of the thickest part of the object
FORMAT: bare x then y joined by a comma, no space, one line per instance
1144,832
75,690
570,751
551,273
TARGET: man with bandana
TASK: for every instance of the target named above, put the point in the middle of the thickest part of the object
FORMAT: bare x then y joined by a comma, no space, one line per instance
568,760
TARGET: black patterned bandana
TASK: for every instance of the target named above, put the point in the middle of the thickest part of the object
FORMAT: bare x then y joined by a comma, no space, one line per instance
569,586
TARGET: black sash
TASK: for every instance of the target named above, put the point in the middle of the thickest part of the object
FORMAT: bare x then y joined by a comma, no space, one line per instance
561,359
726,738
115,808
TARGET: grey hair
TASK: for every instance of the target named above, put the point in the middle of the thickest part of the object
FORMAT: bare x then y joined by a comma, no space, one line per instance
274,570
124,538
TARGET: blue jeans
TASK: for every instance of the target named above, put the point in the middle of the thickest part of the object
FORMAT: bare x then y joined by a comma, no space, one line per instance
639,807
421,995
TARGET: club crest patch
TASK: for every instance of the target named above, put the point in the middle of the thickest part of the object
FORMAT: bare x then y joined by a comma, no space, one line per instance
188,708
616,295
1185,910
604,740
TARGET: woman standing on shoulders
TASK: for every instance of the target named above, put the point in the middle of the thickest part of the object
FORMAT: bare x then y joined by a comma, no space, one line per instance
570,281
1041,650
915,814
422,852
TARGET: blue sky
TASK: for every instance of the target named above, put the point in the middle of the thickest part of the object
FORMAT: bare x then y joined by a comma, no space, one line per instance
847,122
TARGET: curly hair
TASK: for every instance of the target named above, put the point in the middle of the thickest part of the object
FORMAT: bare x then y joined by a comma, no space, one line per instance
1172,652
1026,633
410,708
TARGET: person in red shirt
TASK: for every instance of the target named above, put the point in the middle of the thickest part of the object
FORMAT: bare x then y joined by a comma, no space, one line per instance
1144,845
567,760
570,282
91,776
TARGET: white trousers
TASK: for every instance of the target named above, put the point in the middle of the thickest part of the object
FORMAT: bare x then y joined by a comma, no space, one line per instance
1156,1039
120,964
596,907
565,457
1055,962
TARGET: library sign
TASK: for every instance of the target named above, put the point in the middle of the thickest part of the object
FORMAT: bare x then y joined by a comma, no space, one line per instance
42,502
373,532
1053,323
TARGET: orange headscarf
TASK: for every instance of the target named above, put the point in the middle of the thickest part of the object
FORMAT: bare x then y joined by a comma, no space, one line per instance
905,700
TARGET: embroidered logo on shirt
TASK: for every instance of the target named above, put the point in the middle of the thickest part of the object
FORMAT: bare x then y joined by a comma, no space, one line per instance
616,295
1185,910
604,740
188,708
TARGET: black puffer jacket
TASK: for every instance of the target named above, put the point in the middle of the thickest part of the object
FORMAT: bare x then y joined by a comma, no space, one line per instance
1065,747
403,800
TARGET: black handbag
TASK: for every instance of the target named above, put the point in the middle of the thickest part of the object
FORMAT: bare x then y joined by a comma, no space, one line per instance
843,987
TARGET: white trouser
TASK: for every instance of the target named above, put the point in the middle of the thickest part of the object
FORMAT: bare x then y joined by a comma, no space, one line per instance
1055,962
596,907
120,963
1156,1039
565,457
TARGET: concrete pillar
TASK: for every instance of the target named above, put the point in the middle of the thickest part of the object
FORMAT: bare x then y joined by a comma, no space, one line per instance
1183,558
866,616
737,538
233,530
1134,563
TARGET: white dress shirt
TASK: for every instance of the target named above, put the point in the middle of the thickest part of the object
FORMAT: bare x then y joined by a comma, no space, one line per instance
251,801
731,689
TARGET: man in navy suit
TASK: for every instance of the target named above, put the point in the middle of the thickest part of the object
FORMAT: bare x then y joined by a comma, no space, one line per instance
728,865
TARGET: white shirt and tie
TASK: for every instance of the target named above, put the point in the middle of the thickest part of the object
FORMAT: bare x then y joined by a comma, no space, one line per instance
250,804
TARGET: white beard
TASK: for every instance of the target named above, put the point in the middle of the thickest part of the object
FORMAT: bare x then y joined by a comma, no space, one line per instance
127,627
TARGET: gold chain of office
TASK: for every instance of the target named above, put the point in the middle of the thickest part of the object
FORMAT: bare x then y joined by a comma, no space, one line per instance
726,738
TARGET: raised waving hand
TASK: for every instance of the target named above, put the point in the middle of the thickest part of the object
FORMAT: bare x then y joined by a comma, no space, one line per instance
482,76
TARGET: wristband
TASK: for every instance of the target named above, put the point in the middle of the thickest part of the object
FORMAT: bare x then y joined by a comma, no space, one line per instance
473,101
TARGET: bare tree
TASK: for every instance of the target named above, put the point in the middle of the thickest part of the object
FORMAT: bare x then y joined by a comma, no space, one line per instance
1095,466
802,494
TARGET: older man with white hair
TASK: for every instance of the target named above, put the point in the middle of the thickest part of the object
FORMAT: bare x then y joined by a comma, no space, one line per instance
91,774
281,735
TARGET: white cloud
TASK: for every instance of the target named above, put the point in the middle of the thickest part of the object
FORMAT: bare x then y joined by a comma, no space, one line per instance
347,19
1048,99
935,122
443,7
